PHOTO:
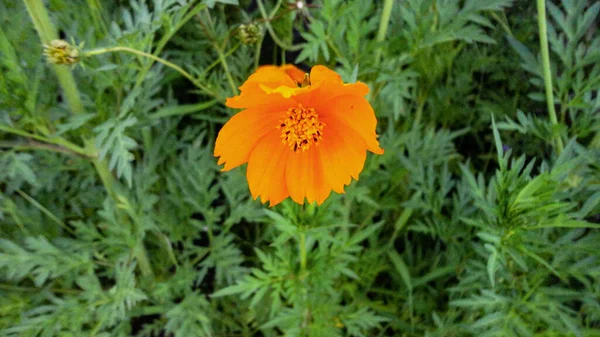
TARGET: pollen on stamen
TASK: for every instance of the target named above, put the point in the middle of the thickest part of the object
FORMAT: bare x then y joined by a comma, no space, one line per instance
301,128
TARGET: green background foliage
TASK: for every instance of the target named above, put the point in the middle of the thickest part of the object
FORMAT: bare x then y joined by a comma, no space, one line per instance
116,221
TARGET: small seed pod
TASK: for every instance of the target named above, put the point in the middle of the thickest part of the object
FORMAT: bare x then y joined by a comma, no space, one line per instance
61,52
249,34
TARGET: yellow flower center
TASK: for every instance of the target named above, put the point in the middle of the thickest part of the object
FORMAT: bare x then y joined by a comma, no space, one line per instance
300,128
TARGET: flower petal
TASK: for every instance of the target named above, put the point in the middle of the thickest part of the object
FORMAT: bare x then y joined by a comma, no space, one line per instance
294,72
319,74
305,177
266,170
331,83
251,92
342,153
355,112
241,133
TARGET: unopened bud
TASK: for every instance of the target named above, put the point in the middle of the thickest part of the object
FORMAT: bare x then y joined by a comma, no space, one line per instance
249,34
61,52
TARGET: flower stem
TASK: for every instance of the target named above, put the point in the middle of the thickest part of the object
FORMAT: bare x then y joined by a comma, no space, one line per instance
108,181
168,35
419,114
232,84
58,141
257,50
141,256
47,33
383,26
216,62
274,36
541,7
155,58
302,246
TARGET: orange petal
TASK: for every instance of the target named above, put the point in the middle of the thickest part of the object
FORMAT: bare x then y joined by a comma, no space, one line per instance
319,74
305,177
271,76
320,189
266,169
331,84
343,154
241,133
251,93
355,112
294,72
295,176
334,168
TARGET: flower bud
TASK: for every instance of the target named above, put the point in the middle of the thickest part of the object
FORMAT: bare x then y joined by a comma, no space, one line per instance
61,52
249,34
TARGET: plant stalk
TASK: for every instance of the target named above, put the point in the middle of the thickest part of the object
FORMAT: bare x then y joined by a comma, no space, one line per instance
155,58
271,31
58,141
303,255
232,84
47,32
163,41
383,27
108,180
541,7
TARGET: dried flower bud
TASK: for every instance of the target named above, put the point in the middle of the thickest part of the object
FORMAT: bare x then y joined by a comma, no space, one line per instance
61,52
249,33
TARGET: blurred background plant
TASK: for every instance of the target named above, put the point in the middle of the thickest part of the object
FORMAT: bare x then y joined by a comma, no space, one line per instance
115,220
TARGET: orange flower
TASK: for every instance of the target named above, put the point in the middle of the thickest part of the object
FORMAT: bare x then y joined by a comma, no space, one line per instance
302,136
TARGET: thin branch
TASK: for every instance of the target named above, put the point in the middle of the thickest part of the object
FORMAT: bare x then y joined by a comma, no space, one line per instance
30,144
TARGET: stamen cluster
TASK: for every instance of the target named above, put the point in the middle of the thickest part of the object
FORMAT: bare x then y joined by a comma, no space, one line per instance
300,128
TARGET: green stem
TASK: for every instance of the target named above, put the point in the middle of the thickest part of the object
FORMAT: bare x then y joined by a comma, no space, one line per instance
381,33
595,143
336,51
541,7
141,256
11,287
502,22
163,41
41,20
96,13
47,33
106,177
108,181
58,141
302,246
44,210
419,114
383,27
257,50
274,36
157,59
33,145
67,82
216,62
232,84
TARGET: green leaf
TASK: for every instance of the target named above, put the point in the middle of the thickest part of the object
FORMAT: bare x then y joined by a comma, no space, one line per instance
111,139
401,268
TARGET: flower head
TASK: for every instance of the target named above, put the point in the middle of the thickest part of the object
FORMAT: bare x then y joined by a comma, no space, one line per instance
61,52
301,135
